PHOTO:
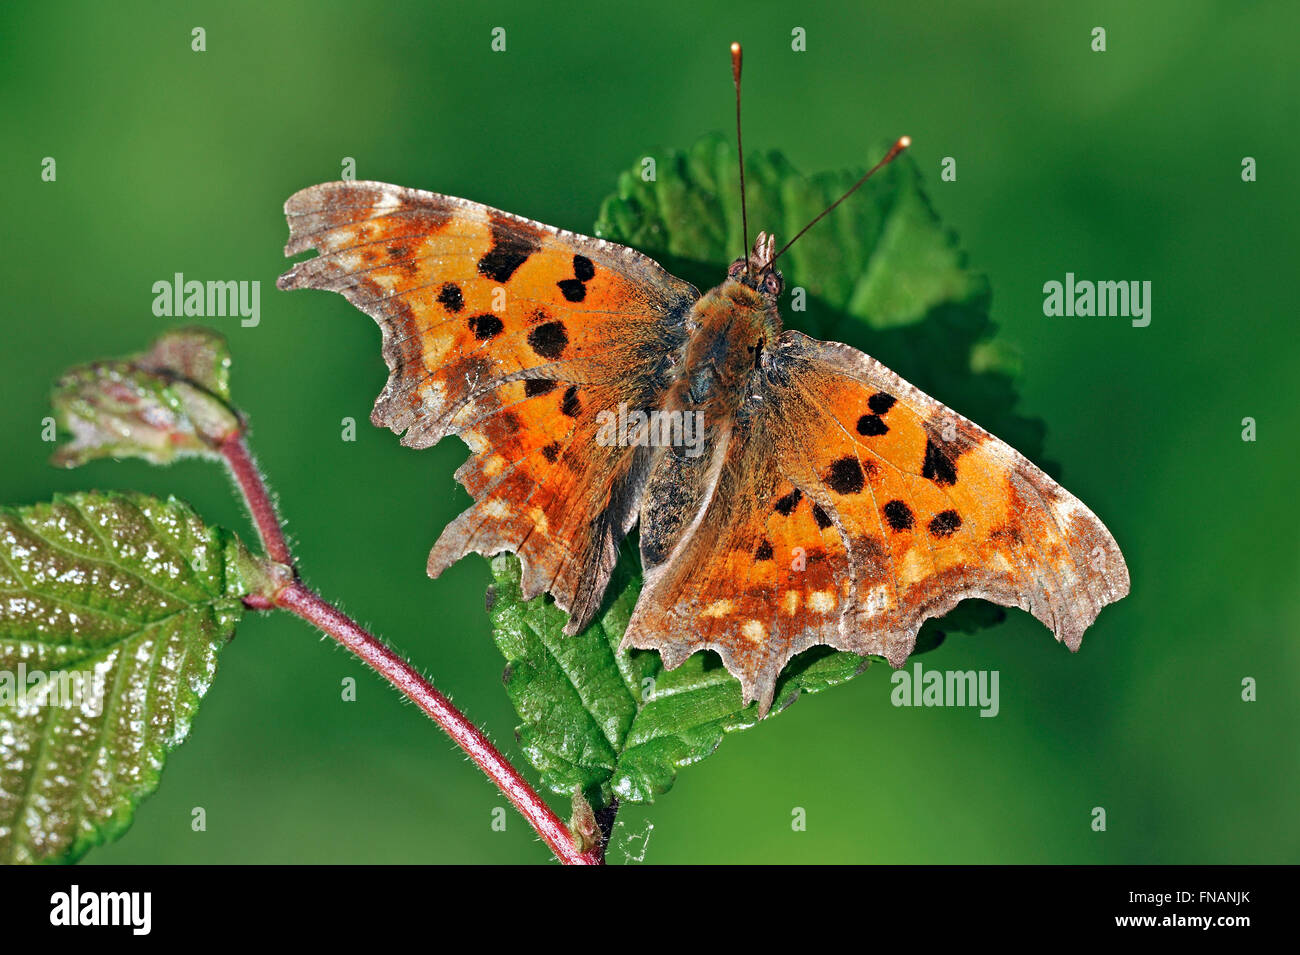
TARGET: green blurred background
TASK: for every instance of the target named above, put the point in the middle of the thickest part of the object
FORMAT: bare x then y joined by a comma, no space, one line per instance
1117,165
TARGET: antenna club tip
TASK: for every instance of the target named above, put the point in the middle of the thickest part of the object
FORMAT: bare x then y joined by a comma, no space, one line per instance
735,48
904,142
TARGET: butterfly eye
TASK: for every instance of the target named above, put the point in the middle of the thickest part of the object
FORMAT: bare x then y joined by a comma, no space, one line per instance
772,283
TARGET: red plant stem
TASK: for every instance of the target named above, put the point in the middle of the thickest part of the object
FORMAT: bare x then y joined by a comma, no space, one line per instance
257,497
297,599
301,601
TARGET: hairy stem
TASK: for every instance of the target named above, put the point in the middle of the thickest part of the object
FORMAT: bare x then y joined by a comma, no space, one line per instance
257,497
372,651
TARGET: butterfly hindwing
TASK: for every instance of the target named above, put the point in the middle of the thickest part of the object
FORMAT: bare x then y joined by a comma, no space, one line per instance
848,508
512,335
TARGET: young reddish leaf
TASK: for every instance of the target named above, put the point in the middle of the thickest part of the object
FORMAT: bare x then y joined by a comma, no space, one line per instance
171,400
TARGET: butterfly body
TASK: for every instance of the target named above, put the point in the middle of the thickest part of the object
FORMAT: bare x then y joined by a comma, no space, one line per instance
728,328
821,500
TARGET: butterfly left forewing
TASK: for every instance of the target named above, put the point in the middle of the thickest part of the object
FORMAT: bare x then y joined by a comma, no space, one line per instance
513,335
870,508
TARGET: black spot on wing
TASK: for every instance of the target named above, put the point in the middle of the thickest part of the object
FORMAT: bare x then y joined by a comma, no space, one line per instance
549,340
898,515
570,405
575,289
764,551
485,326
945,523
511,247
538,386
845,476
881,402
938,466
572,289
785,505
871,426
821,517
450,298
551,451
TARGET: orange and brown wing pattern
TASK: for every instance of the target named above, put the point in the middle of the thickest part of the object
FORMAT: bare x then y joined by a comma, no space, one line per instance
849,508
513,335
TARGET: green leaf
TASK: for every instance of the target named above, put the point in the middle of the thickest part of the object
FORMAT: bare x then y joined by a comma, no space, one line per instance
883,256
171,400
607,723
112,610
881,273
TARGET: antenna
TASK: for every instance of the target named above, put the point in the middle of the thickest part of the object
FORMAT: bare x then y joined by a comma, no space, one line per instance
894,150
740,152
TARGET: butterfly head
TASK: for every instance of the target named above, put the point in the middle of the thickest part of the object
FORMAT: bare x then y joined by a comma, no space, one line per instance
756,270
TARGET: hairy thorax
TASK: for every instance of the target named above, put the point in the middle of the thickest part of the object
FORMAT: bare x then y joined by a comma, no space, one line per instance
729,328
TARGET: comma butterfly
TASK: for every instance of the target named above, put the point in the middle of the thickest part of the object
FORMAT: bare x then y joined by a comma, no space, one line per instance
790,492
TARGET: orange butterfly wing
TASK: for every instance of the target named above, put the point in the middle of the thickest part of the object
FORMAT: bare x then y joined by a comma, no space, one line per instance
847,508
513,335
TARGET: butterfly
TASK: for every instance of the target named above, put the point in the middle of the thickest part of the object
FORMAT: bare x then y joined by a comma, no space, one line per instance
789,492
